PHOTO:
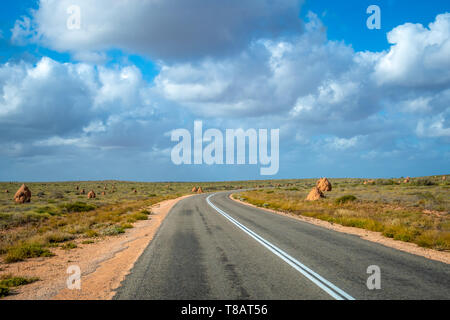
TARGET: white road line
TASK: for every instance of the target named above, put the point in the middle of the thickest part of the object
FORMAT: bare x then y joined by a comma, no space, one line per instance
321,282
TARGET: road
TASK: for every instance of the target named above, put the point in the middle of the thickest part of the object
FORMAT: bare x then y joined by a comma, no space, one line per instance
211,247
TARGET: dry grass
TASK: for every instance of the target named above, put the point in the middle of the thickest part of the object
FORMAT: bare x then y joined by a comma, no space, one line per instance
417,212
59,216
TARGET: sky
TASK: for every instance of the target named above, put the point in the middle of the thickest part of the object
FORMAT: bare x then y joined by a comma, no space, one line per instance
100,101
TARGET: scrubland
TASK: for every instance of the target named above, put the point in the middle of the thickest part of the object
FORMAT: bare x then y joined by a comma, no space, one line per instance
417,211
58,214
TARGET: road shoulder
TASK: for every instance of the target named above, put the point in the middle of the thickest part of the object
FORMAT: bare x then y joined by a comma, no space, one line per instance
104,264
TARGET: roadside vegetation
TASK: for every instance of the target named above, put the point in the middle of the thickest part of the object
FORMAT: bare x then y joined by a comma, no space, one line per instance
417,211
9,282
59,215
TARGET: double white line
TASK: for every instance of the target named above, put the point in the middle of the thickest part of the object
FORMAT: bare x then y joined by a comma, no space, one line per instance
321,282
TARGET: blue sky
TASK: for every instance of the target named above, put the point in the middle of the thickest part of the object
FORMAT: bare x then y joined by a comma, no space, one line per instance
100,102
344,22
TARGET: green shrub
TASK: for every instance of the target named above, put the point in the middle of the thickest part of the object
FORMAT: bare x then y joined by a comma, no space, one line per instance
434,239
58,195
91,233
69,246
353,222
48,210
422,182
390,233
384,182
139,216
113,231
401,233
11,220
345,199
26,250
11,281
427,195
58,237
77,207
4,291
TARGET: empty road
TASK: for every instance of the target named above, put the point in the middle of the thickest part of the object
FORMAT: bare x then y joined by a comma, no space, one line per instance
210,247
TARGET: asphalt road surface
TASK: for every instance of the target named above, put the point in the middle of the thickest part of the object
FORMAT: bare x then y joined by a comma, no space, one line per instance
210,247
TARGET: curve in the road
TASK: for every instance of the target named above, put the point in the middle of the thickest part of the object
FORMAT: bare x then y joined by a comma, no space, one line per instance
211,247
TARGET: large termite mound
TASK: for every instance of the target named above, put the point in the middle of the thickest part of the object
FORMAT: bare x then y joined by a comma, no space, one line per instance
23,195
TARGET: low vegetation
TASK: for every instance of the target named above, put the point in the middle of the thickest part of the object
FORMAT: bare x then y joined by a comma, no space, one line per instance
61,215
345,199
25,250
4,291
77,207
69,246
417,211
11,281
7,282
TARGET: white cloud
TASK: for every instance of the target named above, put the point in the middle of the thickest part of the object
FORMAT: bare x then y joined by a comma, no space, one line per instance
304,78
323,85
58,141
162,29
434,128
52,104
120,88
267,78
341,143
46,97
416,105
23,32
322,93
95,126
419,56
191,83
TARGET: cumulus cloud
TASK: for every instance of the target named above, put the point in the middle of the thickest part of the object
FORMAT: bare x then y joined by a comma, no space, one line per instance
341,143
162,29
51,104
434,127
315,82
419,56
268,77
321,93
46,98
